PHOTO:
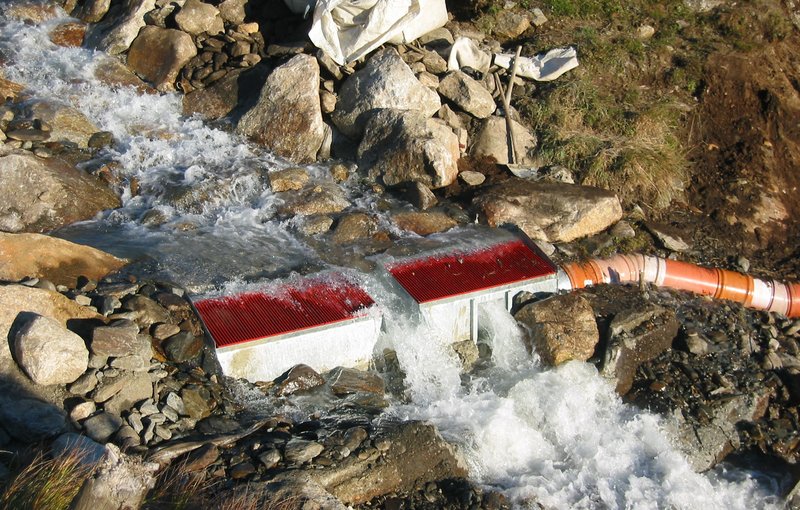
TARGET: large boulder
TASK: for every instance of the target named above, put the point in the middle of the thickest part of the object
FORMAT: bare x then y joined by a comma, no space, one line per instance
30,420
158,54
196,17
67,123
562,328
402,146
550,211
223,96
637,335
43,194
57,260
48,352
287,118
119,27
16,299
468,94
384,82
492,141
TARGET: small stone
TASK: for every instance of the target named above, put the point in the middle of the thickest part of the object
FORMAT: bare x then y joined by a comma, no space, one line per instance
471,178
317,224
353,437
135,421
288,179
743,263
84,384
163,432
175,402
201,458
539,18
297,379
164,331
510,24
148,408
622,230
300,451
102,426
339,172
82,411
182,347
170,413
241,470
645,32
270,458
327,101
119,338
419,195
82,299
101,139
195,400
127,438
697,345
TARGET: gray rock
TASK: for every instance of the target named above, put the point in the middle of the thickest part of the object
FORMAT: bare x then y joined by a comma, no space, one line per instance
549,211
353,437
539,18
126,437
345,381
84,384
110,386
38,195
270,458
232,11
89,452
300,451
471,178
406,146
623,230
158,54
636,335
135,421
384,82
137,388
468,94
288,179
119,27
164,331
668,237
175,402
297,379
30,420
418,194
557,340
287,118
196,17
102,426
510,24
48,352
183,347
119,338
492,141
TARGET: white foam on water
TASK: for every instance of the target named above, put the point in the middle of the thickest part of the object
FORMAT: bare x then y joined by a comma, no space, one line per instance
559,437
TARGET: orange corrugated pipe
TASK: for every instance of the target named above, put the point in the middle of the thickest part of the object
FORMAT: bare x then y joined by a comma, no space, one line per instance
769,295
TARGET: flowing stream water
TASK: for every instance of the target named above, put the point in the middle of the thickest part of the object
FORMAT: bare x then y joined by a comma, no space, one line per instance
560,437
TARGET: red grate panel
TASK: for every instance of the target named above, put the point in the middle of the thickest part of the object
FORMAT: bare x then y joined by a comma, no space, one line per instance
445,276
256,315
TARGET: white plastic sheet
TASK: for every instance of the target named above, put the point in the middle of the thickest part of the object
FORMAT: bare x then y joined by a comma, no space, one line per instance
467,53
542,67
346,30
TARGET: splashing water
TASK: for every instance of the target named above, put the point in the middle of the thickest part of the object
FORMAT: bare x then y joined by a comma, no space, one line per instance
558,437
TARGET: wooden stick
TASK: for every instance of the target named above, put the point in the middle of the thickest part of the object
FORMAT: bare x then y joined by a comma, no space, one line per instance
512,148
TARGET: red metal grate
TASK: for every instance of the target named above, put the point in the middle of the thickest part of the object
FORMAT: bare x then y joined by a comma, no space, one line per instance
285,309
444,276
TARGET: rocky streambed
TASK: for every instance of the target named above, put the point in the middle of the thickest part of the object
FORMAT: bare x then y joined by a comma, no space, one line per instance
309,164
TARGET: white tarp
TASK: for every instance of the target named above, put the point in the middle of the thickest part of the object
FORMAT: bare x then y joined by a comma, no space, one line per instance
346,30
542,67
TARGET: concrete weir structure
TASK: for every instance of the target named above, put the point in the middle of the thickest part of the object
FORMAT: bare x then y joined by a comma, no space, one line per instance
323,321
450,288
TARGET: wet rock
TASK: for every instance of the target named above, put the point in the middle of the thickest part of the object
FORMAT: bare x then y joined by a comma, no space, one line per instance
510,24
196,17
9,90
339,172
418,194
69,34
353,227
48,352
220,98
406,146
316,225
300,451
147,311
324,198
344,381
415,456
287,118
119,27
114,73
424,222
467,353
297,379
92,11
182,347
288,179
119,338
38,195
492,141
384,82
89,452
468,94
557,340
705,445
635,336
553,212
158,55
101,139
30,420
